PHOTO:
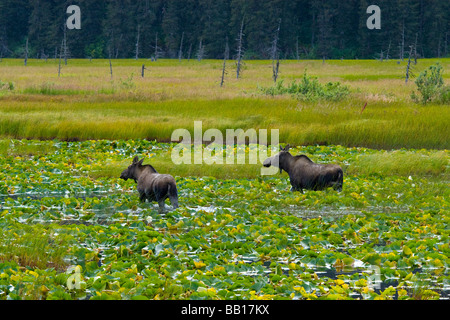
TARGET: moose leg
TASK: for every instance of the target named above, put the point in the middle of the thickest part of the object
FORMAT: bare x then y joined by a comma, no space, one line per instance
297,188
173,195
174,201
161,205
340,182
142,197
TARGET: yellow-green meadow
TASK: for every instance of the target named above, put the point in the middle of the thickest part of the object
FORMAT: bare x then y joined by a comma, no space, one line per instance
85,102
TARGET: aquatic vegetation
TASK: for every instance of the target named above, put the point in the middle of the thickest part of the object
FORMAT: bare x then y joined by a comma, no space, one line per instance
69,235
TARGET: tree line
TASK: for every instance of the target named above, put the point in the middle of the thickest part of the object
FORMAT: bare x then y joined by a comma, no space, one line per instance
305,29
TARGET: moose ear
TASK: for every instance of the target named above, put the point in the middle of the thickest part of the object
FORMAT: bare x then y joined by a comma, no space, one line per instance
135,160
140,162
281,148
287,148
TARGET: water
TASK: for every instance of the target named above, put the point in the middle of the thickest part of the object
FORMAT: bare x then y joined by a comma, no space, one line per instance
107,216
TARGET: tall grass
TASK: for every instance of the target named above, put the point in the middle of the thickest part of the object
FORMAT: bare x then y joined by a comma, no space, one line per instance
405,163
35,247
379,126
386,163
86,104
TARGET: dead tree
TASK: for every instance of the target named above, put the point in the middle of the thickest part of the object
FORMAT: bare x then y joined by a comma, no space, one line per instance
156,56
136,57
201,50
189,52
143,70
275,54
110,63
60,58
226,55
26,52
65,44
180,52
240,51
388,50
408,66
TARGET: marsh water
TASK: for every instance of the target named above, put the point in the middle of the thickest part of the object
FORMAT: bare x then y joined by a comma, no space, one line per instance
106,216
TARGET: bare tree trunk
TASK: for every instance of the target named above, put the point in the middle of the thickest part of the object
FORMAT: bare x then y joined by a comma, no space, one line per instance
60,58
297,53
201,50
225,58
240,51
65,45
388,50
26,52
189,52
180,52
275,54
110,64
143,70
137,42
156,47
408,67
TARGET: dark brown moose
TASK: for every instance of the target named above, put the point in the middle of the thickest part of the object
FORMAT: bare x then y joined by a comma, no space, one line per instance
305,174
151,185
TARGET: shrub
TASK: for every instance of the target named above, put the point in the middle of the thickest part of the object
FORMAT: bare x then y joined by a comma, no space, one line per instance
309,89
430,85
7,85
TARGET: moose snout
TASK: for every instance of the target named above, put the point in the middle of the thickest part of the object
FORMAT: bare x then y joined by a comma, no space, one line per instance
123,176
267,163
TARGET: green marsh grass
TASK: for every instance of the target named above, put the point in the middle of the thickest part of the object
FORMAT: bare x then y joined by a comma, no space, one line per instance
403,163
21,148
34,247
85,103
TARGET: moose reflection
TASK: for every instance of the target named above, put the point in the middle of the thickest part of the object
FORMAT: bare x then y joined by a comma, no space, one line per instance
305,174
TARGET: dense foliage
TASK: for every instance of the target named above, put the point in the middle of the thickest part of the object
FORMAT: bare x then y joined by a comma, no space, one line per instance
430,85
309,89
309,28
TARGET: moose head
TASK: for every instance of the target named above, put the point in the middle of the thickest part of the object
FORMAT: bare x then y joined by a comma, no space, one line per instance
130,172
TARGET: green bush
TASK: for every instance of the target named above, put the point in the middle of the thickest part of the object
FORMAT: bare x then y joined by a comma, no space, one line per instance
444,95
7,85
309,89
430,85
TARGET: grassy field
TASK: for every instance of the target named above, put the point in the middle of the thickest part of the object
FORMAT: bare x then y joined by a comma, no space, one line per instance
85,103
71,229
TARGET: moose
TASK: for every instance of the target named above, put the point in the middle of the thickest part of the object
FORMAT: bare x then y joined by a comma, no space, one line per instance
305,174
151,185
